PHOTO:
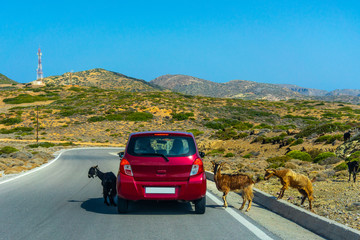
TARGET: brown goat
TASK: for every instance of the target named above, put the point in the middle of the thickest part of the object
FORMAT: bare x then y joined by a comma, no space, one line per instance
235,182
295,180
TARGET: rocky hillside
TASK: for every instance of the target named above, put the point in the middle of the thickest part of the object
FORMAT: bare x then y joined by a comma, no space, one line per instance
101,78
252,90
5,80
348,92
305,91
233,89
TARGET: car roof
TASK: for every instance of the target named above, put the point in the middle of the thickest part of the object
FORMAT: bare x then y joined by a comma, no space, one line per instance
170,133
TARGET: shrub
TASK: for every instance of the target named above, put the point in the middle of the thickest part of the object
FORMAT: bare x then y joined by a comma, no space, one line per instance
263,126
314,153
328,139
10,121
96,119
42,144
296,154
226,134
341,166
8,149
229,155
66,144
16,130
27,98
278,161
182,116
196,132
354,156
130,116
323,128
219,151
297,142
138,116
323,156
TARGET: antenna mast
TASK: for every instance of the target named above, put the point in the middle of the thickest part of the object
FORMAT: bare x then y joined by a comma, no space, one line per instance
39,69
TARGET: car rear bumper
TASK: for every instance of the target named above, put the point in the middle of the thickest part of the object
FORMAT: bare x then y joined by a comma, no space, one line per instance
193,189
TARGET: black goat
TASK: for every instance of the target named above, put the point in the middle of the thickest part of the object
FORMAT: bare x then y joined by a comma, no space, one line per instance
347,136
108,181
353,169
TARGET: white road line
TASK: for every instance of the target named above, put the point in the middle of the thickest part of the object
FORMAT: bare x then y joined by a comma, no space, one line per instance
255,230
49,163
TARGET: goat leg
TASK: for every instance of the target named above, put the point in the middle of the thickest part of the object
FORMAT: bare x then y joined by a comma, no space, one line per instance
244,201
224,198
249,205
310,206
105,197
281,194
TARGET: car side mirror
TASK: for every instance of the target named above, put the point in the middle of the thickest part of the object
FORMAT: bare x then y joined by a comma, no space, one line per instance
202,154
121,154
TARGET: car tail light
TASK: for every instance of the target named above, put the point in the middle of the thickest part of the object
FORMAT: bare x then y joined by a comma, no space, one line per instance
197,167
125,167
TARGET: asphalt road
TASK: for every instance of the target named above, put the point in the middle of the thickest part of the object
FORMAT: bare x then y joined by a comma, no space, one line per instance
60,202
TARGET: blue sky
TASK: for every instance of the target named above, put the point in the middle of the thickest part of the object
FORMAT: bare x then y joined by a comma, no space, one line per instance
313,44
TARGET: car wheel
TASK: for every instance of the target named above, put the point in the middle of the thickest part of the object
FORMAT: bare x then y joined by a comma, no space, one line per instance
122,205
200,205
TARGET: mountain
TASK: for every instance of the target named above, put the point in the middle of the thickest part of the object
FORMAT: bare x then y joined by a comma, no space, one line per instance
232,89
5,80
103,79
304,91
348,92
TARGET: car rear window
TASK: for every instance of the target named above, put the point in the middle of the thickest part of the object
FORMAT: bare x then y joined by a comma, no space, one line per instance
166,145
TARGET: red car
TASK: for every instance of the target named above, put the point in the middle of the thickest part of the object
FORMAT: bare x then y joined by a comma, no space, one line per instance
161,166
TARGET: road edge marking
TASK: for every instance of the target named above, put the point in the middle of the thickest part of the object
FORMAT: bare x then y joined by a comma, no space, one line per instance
255,230
51,162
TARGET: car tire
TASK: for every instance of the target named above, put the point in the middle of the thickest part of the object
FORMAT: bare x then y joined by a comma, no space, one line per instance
200,205
122,205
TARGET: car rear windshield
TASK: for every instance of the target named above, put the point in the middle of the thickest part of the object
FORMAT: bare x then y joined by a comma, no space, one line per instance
170,146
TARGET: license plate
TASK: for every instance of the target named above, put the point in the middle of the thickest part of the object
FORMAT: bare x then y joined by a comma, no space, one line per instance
160,190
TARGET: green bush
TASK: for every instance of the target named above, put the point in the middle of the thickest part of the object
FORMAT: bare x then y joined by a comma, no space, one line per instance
129,116
66,144
96,119
18,130
328,139
42,144
323,128
323,156
297,142
10,121
341,166
222,123
229,155
182,116
314,153
296,154
138,116
226,134
219,151
196,132
27,98
8,149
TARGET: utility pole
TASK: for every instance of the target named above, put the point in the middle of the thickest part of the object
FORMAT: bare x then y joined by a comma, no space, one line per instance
37,124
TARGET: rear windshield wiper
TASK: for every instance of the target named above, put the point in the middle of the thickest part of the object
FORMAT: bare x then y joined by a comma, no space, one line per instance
154,154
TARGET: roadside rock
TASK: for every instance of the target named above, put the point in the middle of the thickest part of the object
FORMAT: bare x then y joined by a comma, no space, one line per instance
344,150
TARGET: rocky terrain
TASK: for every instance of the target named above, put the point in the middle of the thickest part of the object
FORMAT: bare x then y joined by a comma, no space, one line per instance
304,135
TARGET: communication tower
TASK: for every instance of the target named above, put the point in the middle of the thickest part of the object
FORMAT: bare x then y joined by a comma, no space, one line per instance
39,69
